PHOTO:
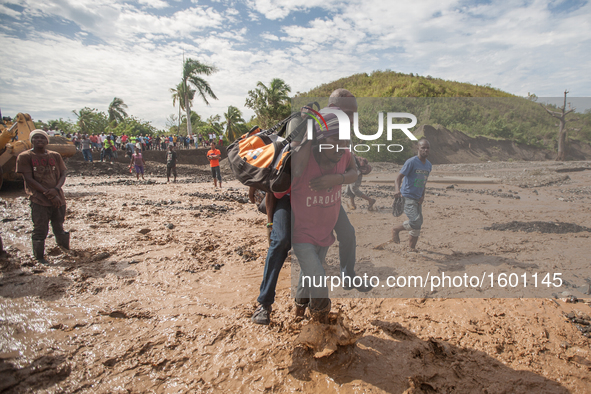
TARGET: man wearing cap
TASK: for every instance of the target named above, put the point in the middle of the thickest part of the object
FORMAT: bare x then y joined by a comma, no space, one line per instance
319,170
45,174
279,230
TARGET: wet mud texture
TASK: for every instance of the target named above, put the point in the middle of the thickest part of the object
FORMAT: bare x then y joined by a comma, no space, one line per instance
157,293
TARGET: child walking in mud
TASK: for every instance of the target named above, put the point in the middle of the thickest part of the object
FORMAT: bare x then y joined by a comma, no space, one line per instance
137,160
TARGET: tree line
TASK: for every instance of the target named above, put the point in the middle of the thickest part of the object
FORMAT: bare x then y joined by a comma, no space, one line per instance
270,104
473,109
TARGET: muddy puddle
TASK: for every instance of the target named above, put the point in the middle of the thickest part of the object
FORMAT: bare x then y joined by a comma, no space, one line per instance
157,293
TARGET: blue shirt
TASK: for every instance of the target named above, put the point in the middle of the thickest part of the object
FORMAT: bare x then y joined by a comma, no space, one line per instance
415,177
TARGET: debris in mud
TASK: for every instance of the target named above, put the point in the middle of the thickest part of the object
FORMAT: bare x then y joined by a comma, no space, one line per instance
169,226
123,314
231,195
324,339
492,193
572,169
581,321
156,203
212,208
101,256
247,254
144,231
537,226
201,245
542,181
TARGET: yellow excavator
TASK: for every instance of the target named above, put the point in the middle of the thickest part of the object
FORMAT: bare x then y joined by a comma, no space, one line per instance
14,139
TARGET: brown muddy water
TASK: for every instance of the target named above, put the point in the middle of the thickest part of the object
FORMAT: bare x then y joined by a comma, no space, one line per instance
157,292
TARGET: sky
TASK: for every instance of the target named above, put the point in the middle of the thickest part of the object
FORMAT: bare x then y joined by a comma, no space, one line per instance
63,55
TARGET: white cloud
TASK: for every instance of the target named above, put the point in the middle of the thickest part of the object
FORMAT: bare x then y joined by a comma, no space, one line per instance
154,3
269,37
119,22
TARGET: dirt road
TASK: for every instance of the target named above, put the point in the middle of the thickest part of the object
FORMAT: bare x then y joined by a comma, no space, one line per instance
157,292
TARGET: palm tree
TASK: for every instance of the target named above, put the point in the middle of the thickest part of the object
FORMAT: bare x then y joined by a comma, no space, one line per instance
84,119
270,104
277,93
192,69
178,94
117,110
232,119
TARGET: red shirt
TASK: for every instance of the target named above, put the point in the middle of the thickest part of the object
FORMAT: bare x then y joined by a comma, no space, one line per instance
316,212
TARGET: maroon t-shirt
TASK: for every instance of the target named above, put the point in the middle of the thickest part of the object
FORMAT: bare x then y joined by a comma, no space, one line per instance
316,212
47,169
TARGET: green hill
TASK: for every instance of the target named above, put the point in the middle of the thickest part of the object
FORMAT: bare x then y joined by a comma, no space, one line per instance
472,109
393,84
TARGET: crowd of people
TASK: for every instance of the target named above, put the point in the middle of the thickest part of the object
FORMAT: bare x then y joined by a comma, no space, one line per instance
110,145
96,142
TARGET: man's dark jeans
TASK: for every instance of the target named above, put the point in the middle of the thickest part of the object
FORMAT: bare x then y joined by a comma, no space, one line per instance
347,244
107,152
42,215
87,154
281,244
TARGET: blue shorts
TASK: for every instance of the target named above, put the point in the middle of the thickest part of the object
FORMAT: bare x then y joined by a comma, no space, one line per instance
413,210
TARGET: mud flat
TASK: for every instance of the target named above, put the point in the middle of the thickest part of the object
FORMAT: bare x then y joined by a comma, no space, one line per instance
157,292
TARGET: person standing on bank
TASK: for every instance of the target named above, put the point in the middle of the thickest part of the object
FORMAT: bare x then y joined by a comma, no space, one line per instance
214,155
45,174
413,178
170,163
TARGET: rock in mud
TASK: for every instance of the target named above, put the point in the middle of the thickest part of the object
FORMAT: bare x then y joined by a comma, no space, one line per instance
144,231
324,339
101,256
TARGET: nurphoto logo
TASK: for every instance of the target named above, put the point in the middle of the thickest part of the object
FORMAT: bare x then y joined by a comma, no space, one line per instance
345,129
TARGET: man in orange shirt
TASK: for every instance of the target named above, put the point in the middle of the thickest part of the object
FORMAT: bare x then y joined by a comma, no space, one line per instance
214,155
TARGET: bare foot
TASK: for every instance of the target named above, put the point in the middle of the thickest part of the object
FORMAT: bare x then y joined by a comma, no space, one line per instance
371,202
412,242
396,237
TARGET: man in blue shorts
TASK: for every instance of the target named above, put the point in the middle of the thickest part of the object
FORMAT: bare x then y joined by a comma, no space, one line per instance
413,178
214,155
